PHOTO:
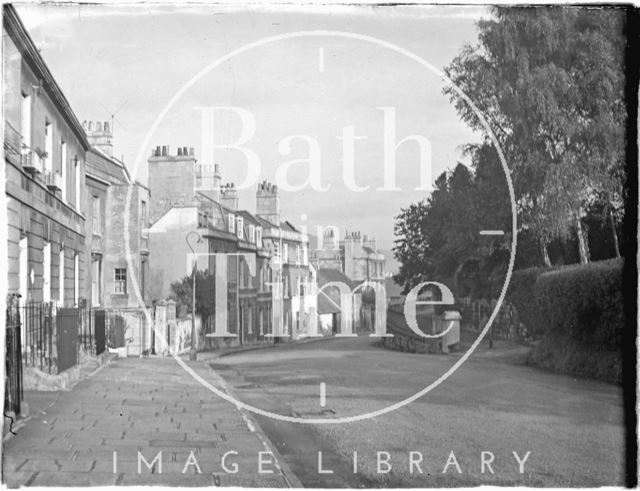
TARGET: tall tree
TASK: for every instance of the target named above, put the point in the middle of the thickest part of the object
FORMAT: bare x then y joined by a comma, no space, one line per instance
182,291
550,82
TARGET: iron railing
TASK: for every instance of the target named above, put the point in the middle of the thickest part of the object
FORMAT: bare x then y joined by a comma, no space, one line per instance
86,327
13,394
41,323
39,328
506,325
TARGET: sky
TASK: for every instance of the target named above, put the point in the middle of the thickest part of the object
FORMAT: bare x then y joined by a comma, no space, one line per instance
132,61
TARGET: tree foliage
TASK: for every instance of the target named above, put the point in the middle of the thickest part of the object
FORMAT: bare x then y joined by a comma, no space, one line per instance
550,82
435,235
182,292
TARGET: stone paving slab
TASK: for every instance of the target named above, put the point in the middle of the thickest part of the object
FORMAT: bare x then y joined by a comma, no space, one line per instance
142,411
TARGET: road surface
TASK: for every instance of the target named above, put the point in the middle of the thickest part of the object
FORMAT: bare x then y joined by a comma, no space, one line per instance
573,428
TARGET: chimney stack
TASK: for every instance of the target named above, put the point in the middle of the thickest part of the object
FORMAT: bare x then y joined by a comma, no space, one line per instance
171,180
99,135
229,196
268,202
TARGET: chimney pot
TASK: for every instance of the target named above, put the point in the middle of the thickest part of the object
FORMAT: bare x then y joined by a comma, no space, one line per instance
179,152
191,151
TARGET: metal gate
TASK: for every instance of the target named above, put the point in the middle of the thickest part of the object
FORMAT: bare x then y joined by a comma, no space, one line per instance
13,361
67,338
100,330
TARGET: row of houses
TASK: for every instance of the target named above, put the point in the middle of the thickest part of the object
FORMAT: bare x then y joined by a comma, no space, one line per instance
64,189
260,260
69,202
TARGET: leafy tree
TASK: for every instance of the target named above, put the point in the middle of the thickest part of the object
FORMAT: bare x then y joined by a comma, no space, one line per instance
435,236
550,82
182,292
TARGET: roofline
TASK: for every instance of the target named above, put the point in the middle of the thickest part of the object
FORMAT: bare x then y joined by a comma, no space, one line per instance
116,161
18,33
121,180
138,183
92,176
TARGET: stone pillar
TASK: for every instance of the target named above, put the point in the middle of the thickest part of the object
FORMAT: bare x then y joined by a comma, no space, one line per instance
171,324
160,327
453,336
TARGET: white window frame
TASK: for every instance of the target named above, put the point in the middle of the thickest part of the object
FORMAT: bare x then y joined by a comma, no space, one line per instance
119,285
232,223
305,255
24,269
285,253
46,272
25,121
78,184
276,250
96,217
61,266
252,233
63,175
76,278
96,281
48,146
240,227
259,236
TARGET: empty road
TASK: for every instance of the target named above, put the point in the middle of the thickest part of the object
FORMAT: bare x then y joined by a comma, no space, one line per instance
564,431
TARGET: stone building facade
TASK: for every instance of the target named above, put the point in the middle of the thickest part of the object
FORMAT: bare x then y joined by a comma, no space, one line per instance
295,301
45,150
355,255
112,279
186,197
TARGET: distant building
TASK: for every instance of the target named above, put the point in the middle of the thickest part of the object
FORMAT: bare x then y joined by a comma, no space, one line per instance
44,153
339,303
297,278
186,197
356,256
108,182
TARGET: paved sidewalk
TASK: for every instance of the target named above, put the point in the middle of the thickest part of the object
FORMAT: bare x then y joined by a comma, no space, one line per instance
143,407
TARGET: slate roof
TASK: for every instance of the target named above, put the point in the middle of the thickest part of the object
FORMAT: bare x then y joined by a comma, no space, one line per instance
325,275
326,305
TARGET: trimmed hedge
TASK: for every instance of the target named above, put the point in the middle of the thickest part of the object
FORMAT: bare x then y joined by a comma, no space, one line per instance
584,303
521,293
581,308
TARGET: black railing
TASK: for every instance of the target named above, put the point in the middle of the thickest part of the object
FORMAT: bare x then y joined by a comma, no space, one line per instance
86,328
39,327
49,338
506,324
13,360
